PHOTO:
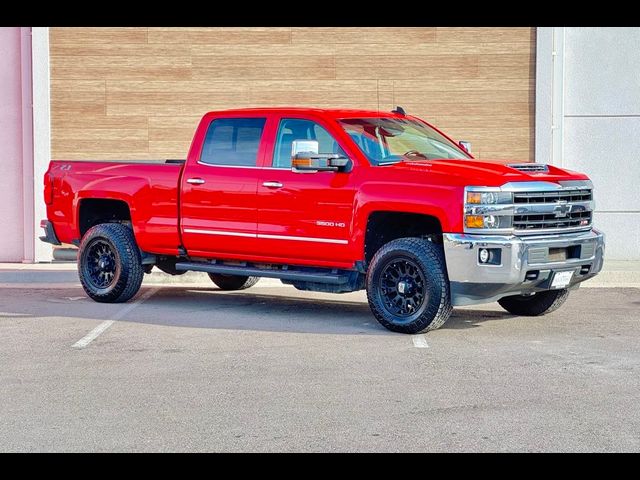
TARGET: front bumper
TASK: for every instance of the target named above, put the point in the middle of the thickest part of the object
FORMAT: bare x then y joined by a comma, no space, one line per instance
522,258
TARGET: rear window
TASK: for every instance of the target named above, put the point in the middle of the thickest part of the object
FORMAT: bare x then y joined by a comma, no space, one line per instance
233,142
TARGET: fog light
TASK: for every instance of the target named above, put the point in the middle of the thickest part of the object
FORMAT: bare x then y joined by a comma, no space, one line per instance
489,256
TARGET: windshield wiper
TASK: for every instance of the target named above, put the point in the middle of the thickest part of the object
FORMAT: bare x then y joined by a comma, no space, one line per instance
411,154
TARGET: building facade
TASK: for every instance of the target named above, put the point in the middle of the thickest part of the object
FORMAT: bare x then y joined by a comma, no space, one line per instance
567,96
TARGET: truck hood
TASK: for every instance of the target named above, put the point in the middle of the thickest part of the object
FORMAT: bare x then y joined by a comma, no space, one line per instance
485,173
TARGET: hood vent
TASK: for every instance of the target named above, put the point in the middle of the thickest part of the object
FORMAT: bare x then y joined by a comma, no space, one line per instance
530,167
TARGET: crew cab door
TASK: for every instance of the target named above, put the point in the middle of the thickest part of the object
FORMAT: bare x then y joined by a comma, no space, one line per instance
218,189
304,216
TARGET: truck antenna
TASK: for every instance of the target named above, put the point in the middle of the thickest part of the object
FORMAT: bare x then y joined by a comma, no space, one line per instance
399,110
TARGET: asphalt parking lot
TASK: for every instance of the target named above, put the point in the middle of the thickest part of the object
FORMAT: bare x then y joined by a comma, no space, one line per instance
273,369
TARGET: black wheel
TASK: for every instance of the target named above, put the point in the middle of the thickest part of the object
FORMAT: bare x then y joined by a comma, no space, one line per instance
539,303
109,263
232,282
407,286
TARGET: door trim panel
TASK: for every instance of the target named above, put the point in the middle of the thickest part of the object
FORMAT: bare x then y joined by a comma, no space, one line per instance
265,236
218,232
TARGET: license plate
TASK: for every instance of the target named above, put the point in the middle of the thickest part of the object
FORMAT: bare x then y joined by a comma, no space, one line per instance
561,279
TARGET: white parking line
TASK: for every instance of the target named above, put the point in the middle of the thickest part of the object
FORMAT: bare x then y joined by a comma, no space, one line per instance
93,334
420,341
96,332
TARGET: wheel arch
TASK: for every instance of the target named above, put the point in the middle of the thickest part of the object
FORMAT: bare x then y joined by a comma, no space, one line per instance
383,226
109,200
93,211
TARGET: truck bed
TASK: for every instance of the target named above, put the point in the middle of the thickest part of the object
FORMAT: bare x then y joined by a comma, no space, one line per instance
149,187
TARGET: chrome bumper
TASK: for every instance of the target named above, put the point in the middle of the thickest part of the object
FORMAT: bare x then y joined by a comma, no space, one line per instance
472,282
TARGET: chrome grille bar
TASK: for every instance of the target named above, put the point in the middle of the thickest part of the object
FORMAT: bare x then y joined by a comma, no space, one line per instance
553,197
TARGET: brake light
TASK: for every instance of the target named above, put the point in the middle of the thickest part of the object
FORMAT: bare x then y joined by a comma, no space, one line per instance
48,188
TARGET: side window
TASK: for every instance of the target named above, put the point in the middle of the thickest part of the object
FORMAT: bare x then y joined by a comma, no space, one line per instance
291,129
233,142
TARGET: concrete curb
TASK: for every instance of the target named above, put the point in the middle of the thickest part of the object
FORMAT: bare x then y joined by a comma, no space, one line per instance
616,274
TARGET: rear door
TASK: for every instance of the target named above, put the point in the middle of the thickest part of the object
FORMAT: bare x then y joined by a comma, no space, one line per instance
218,192
304,216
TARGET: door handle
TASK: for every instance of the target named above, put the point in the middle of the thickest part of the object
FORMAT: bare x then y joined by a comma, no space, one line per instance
272,184
195,181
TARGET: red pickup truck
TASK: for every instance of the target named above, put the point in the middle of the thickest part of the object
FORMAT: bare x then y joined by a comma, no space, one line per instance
332,201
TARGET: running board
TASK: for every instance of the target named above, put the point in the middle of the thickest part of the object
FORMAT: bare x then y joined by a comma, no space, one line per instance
291,275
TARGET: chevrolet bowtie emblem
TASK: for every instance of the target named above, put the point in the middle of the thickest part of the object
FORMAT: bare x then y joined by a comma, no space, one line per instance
562,209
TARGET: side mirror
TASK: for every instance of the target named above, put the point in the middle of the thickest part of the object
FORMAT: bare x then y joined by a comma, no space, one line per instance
304,146
466,146
305,158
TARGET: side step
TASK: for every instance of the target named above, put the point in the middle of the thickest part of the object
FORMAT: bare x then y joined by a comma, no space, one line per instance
331,277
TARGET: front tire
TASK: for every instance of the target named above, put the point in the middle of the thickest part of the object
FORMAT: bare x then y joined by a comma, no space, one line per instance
109,263
233,282
540,303
407,286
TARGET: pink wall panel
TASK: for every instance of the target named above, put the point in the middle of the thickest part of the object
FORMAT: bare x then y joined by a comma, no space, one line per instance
11,197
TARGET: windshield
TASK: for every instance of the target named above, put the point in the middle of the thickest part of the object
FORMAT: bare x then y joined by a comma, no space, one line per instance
387,140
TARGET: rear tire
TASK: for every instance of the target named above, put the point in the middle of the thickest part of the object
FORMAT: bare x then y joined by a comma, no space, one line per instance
232,282
540,303
407,286
109,263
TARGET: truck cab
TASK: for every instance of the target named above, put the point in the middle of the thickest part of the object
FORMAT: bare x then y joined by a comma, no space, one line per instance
333,201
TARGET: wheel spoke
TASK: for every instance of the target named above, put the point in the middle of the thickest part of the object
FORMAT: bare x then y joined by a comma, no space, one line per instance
403,287
101,263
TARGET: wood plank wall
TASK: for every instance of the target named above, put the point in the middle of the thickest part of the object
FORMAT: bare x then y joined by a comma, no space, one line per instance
138,92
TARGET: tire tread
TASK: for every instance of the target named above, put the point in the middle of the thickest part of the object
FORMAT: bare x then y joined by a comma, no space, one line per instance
233,282
432,255
131,269
541,303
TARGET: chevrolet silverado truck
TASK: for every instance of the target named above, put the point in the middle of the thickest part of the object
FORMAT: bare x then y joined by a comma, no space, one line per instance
332,201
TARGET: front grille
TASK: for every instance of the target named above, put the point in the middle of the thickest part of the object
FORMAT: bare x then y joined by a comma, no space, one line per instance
530,167
533,208
553,197
539,222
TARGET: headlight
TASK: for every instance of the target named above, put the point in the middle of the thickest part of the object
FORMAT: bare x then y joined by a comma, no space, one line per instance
487,209
488,198
489,222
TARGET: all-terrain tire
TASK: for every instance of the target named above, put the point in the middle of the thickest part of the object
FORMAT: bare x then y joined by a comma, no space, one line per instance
114,245
424,270
539,304
232,282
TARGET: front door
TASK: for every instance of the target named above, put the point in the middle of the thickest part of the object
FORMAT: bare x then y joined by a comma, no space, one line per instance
304,216
218,193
